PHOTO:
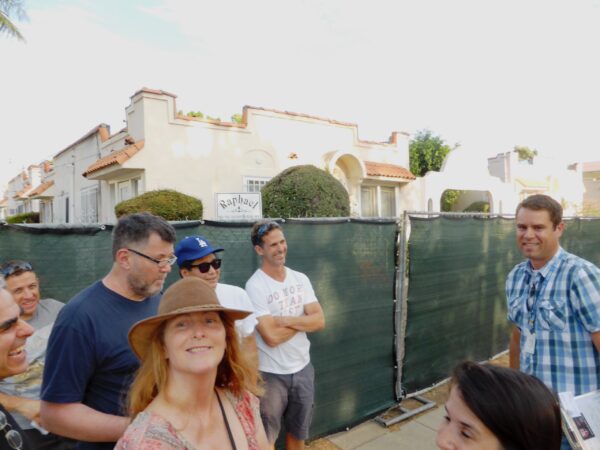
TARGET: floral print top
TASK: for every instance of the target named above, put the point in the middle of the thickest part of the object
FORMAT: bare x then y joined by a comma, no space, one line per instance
150,431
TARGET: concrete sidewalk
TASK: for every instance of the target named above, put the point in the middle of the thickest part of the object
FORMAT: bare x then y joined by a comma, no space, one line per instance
416,434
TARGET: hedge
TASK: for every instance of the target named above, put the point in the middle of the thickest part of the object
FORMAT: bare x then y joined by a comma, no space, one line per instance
166,203
305,191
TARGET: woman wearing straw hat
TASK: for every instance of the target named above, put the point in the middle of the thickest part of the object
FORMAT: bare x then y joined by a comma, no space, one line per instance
194,389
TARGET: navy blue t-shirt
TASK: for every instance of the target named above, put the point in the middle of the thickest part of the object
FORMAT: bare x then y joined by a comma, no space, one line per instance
88,359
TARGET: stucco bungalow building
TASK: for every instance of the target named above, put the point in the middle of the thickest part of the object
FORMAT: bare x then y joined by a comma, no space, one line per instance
18,189
161,149
591,181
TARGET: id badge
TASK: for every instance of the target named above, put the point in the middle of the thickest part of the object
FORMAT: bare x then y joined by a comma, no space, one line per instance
529,346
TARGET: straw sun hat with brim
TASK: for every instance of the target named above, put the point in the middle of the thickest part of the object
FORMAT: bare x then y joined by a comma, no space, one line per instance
188,295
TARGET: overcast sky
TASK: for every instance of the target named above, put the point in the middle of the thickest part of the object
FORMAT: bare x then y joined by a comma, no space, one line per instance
487,74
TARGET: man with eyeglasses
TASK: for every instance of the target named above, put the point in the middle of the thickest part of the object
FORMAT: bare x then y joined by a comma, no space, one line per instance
21,394
287,309
14,332
89,364
196,257
554,304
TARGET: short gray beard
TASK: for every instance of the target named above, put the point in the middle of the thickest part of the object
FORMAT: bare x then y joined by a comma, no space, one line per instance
138,287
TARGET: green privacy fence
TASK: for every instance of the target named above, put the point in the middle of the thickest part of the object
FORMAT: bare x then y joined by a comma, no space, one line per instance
452,302
350,263
455,302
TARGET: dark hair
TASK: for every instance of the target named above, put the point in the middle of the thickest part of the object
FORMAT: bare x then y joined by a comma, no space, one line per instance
15,267
516,407
540,202
136,228
262,228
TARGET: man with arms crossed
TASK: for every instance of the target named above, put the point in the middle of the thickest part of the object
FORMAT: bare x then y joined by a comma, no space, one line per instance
196,257
89,365
554,304
14,332
21,394
287,308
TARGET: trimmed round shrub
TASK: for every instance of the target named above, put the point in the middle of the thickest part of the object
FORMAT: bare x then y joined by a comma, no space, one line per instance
166,203
29,217
305,191
478,207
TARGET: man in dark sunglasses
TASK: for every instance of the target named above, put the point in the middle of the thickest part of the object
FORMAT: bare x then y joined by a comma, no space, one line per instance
196,257
21,394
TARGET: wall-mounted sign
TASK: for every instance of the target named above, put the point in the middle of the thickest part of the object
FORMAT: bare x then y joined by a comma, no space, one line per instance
238,206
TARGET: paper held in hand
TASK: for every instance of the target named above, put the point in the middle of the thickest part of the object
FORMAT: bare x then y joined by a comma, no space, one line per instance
581,419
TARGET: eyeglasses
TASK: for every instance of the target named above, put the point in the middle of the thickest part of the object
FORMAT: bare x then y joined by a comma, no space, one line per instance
11,267
263,229
205,266
13,437
159,262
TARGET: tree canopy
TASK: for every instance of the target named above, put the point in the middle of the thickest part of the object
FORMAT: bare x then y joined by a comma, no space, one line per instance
199,115
525,153
11,9
427,152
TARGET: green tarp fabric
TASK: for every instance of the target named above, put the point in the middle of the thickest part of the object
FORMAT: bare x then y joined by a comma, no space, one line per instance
456,302
351,266
455,307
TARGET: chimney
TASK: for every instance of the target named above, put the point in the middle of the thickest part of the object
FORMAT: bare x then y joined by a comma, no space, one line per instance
104,132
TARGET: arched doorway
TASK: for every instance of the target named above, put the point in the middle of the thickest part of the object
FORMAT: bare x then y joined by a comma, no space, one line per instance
348,170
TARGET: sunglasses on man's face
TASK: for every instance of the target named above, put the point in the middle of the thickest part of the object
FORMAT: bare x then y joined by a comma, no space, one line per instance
205,266
19,266
13,437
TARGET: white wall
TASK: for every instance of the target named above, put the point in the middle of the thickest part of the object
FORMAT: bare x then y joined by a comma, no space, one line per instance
200,158
69,181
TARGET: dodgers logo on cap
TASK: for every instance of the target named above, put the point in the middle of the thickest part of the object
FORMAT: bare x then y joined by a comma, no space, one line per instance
191,248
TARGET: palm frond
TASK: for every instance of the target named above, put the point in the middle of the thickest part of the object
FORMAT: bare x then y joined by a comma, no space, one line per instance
7,27
11,8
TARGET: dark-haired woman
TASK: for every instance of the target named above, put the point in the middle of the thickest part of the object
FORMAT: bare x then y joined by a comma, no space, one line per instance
495,408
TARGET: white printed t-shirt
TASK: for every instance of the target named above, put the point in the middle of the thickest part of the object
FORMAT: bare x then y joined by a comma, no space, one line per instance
287,298
236,298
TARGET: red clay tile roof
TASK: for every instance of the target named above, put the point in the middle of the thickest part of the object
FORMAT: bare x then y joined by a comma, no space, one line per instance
48,166
118,157
3,202
41,188
376,169
22,192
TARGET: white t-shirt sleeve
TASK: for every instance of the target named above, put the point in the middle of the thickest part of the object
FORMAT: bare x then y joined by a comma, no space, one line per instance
257,296
248,324
308,289
236,298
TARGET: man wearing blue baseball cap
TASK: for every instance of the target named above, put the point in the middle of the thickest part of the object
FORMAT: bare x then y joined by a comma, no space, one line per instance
196,257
